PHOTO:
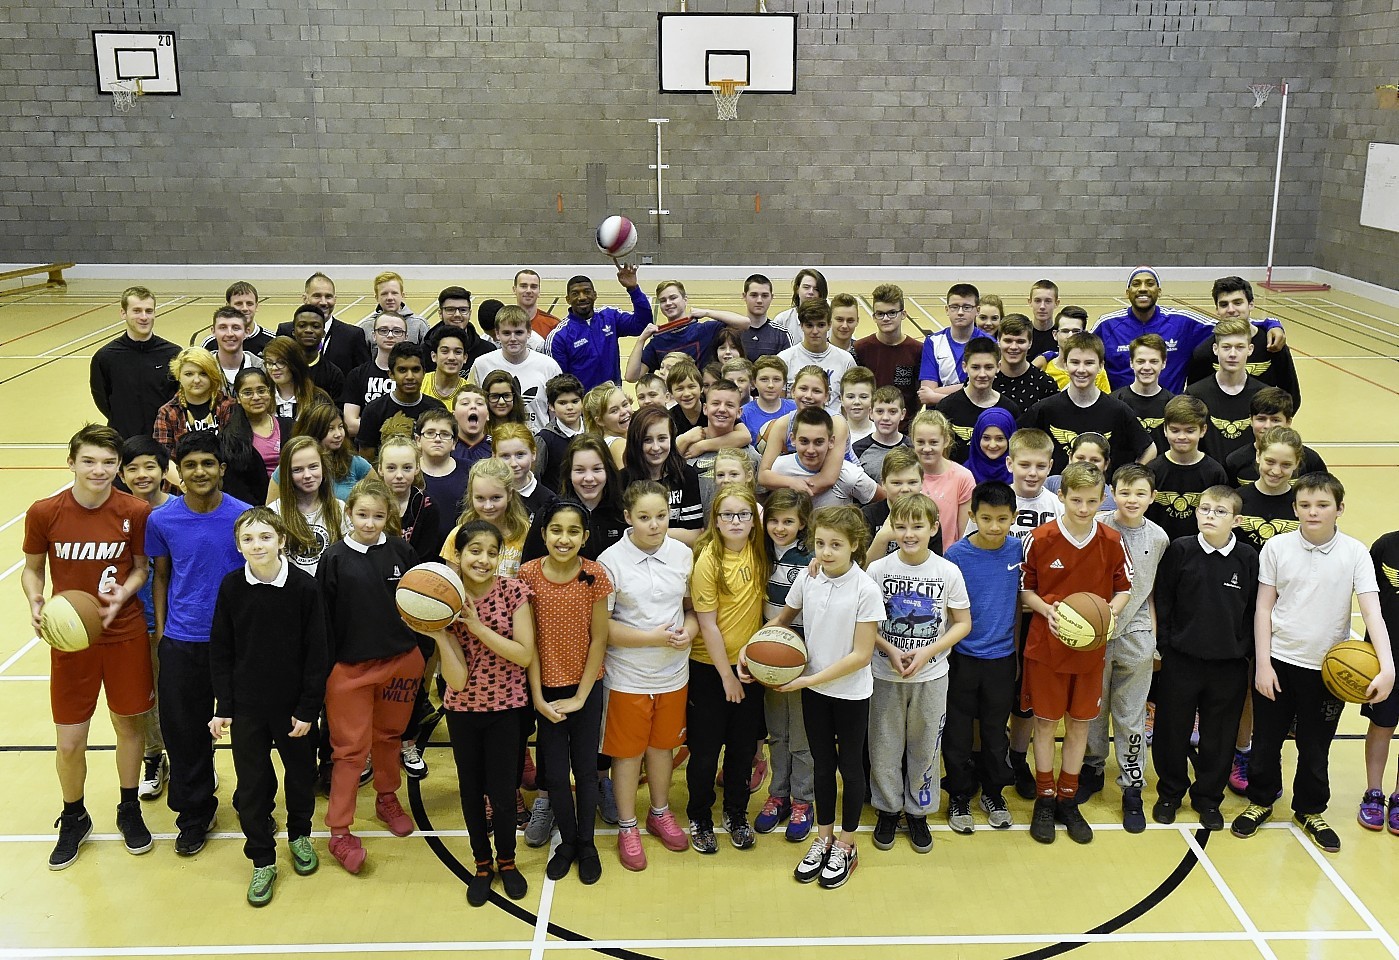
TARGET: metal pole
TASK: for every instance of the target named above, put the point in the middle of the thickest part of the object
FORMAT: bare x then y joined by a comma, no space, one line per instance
658,167
1277,183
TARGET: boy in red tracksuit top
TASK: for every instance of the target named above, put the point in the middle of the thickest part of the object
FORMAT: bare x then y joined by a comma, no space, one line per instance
1072,554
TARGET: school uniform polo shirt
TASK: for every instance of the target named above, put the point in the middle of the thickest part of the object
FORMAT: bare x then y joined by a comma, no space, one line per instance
1314,584
650,589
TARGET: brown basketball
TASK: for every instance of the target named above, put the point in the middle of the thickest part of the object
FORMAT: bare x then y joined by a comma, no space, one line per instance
775,655
1349,668
1085,621
429,596
71,621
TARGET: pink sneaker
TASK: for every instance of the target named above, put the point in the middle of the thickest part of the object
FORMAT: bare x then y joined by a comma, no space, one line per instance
760,770
347,849
669,832
629,848
388,809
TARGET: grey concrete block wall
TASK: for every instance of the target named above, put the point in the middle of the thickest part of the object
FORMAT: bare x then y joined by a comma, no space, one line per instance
1096,132
1367,55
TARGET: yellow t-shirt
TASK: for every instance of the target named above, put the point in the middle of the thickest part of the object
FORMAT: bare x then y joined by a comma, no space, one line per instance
1061,376
740,610
507,562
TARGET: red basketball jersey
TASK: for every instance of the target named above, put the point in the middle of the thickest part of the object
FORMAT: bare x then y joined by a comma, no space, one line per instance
92,550
1055,567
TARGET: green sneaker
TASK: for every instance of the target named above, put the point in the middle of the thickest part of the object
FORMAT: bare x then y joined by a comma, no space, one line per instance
260,889
303,857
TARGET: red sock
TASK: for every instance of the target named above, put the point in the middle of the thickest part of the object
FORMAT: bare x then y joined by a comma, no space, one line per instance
1068,786
1044,783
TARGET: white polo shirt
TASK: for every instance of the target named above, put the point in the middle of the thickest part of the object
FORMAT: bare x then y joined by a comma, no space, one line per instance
1314,585
650,592
852,486
831,607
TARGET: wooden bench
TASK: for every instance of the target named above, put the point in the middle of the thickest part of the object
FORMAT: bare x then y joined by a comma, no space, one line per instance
55,278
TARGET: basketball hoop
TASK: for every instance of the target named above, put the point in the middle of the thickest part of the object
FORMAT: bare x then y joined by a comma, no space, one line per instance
726,94
1260,93
124,94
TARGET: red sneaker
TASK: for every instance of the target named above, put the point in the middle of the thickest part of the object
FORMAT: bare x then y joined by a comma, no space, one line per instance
629,849
669,832
388,809
347,849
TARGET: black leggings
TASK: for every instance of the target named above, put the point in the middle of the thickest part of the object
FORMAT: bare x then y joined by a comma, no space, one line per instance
571,744
486,746
835,731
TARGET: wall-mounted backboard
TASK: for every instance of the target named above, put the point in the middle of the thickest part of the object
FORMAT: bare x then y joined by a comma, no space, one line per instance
758,49
124,56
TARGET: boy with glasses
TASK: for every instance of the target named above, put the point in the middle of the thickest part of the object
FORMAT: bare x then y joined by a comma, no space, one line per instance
940,370
893,355
371,380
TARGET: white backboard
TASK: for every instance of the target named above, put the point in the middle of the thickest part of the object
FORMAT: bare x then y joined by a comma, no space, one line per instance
759,49
129,55
1379,203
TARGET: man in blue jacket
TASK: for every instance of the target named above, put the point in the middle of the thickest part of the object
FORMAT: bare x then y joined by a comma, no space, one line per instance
586,343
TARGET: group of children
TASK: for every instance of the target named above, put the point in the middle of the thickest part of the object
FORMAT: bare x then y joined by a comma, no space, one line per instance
616,562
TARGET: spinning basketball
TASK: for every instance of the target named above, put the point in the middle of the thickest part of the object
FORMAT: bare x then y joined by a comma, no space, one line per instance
775,656
1349,668
71,621
1085,621
429,596
616,237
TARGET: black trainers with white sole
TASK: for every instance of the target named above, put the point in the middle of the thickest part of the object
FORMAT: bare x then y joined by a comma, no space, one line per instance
73,831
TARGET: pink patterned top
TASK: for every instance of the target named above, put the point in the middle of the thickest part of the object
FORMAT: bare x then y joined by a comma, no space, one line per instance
495,683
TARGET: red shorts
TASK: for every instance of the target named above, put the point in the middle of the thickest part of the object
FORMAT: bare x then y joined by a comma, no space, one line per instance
636,721
1051,695
123,668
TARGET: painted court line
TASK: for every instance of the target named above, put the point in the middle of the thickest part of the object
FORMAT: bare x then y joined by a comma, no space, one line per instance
541,918
1235,906
1345,891
15,658
934,321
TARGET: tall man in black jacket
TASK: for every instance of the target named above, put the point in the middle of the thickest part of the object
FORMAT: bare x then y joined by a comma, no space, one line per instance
130,376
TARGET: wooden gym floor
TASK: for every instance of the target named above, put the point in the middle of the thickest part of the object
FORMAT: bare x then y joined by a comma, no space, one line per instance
1162,894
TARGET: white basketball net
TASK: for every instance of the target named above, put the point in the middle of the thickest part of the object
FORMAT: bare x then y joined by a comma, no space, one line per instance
726,94
1260,93
124,93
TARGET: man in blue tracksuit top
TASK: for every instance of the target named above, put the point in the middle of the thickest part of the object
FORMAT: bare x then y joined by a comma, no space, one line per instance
1182,330
585,344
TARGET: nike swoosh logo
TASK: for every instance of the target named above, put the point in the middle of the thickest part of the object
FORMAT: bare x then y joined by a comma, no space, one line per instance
1013,566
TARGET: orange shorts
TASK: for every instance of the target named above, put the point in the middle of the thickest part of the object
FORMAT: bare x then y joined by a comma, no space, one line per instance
636,721
123,668
1050,695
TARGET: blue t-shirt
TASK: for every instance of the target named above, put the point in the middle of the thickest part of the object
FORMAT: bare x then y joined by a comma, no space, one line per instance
695,339
993,584
147,592
755,418
202,552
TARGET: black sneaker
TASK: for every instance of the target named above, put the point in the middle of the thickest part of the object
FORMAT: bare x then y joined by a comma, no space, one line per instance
702,837
1133,818
1067,813
589,865
1090,781
1247,823
478,888
740,833
323,777
73,831
1024,776
155,772
132,827
918,833
1210,818
1164,811
367,774
564,856
1042,820
514,882
884,826
1320,832
814,861
191,840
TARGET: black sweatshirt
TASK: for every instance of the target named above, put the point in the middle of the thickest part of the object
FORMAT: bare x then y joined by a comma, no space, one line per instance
359,584
268,647
1205,601
130,381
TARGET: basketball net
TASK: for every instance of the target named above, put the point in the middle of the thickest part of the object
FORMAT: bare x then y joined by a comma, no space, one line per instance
726,94
124,94
1260,93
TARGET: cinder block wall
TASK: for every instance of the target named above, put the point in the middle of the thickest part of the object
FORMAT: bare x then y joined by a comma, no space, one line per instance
1056,132
1367,54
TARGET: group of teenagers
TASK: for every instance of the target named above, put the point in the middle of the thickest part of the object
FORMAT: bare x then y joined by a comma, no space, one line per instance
914,510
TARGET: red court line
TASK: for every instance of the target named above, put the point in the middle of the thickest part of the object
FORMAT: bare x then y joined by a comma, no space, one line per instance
59,323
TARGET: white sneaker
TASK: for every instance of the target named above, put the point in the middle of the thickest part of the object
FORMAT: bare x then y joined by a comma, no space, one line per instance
815,860
155,772
840,863
412,759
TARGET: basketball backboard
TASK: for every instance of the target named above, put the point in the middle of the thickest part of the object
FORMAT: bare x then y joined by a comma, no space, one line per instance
696,49
129,55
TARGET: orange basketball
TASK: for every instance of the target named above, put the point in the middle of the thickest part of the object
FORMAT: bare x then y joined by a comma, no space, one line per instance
1349,668
429,596
775,655
1085,621
71,620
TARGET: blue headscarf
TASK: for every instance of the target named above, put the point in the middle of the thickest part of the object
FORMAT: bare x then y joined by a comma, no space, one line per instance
983,468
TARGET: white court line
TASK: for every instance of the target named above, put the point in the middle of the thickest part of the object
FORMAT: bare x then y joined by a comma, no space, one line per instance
15,658
31,446
12,568
27,678
934,321
1240,914
1384,336
1343,306
541,917
38,356
1344,889
476,946
111,326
